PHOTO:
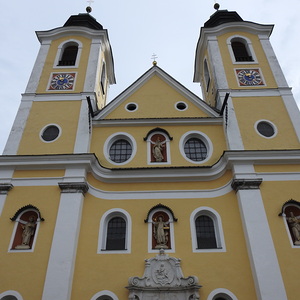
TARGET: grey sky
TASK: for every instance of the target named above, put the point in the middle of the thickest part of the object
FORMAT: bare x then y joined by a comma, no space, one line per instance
137,29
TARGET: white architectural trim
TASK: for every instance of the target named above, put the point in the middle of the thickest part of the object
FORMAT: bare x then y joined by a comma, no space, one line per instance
16,133
106,217
224,293
207,211
150,231
59,277
60,51
83,135
113,138
101,295
248,45
11,293
203,137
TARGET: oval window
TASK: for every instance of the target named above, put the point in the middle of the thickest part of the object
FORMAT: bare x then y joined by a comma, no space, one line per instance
50,133
265,129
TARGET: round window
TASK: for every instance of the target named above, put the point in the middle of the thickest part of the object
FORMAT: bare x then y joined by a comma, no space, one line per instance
265,129
181,106
50,133
120,151
131,106
195,149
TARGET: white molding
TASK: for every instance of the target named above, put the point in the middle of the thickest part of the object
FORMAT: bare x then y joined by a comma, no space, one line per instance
103,294
59,277
150,232
106,217
11,293
219,234
115,137
222,293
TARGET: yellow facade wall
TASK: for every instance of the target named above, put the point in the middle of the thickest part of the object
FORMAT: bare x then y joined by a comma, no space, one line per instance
62,113
35,263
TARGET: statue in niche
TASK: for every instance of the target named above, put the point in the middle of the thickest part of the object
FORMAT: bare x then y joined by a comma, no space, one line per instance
157,150
160,231
28,232
294,222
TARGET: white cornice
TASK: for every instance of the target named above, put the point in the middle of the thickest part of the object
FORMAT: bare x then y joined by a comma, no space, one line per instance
89,163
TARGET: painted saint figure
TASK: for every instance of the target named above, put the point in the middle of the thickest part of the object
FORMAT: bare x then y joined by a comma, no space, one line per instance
294,222
28,232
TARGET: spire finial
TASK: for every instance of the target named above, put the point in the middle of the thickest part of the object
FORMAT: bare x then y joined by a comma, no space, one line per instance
89,8
154,56
216,6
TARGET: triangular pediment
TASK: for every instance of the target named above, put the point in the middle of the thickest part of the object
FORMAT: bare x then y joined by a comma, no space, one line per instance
156,95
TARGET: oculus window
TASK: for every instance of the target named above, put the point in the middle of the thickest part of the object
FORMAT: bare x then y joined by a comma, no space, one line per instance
120,151
195,149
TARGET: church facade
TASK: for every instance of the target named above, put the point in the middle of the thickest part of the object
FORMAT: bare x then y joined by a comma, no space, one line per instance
158,194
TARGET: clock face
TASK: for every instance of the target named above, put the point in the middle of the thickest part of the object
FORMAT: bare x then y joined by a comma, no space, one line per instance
62,81
249,77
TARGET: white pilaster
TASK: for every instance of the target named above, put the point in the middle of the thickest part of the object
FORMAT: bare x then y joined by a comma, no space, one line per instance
59,276
264,263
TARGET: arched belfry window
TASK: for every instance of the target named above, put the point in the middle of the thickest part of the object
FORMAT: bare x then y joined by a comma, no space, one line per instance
206,75
68,54
160,219
27,220
158,151
291,213
115,232
241,50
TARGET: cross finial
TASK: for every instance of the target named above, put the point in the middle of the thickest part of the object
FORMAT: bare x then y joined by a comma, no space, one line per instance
89,8
154,56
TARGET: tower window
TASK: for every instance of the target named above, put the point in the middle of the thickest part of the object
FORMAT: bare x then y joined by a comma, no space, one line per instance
50,133
240,51
206,75
265,129
69,56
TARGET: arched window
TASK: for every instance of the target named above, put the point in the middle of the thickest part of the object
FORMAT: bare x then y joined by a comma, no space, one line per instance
291,213
241,50
27,221
206,230
10,295
69,56
105,295
115,232
221,294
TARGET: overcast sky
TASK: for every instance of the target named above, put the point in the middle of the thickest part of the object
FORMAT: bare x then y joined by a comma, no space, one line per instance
137,29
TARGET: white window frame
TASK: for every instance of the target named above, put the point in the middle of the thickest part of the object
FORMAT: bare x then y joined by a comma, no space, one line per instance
107,216
210,212
105,293
248,45
38,221
150,231
113,138
271,124
60,51
167,147
203,137
11,293
221,293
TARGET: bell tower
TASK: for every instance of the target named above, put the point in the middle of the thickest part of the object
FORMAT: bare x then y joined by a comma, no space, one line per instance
241,77
71,76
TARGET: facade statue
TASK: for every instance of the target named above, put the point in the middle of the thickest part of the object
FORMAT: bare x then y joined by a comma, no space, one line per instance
157,150
294,222
28,232
160,231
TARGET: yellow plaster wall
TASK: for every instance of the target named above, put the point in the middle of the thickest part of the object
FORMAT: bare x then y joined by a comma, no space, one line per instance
49,68
38,173
63,113
156,99
261,57
266,108
95,272
214,132
274,196
277,168
35,263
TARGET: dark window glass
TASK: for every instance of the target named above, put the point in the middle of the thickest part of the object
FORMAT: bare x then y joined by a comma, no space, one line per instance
240,52
68,57
50,133
181,106
120,151
220,298
195,149
205,231
116,231
103,79
9,298
265,129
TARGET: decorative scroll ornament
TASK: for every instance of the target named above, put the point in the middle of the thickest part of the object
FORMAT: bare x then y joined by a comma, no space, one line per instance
163,279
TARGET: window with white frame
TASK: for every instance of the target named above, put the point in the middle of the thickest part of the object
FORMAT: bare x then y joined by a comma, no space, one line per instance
221,294
68,54
10,295
206,75
105,295
241,50
206,230
115,232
